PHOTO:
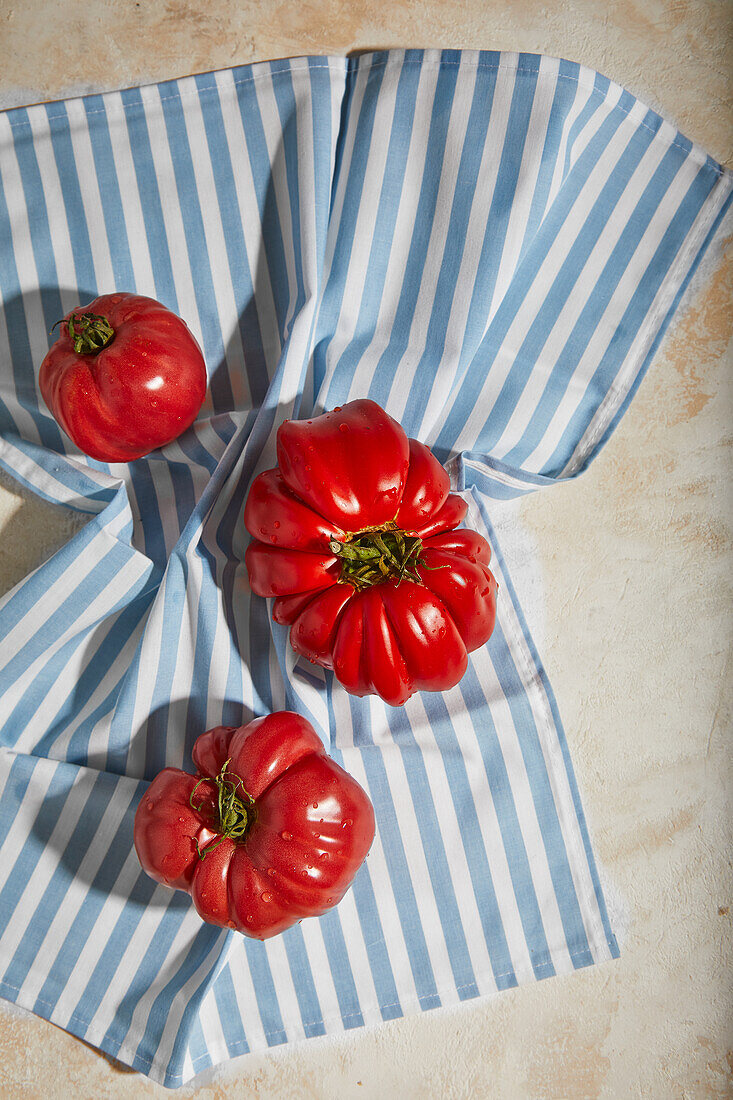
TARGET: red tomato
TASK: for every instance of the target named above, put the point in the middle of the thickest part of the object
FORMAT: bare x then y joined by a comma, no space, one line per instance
125,376
269,831
355,537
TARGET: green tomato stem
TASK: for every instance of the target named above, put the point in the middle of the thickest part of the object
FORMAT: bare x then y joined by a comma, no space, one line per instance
374,556
89,332
234,818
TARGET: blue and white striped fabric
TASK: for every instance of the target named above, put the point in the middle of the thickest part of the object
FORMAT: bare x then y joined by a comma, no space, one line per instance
491,246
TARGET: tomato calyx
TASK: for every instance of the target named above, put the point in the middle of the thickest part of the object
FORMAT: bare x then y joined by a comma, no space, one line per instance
376,555
89,332
234,818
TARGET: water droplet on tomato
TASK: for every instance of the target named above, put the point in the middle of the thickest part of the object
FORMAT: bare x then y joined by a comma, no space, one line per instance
286,836
231,924
276,524
263,530
329,901
308,469
271,871
304,874
337,409
343,427
267,897
324,855
315,805
345,824
249,920
273,538
150,805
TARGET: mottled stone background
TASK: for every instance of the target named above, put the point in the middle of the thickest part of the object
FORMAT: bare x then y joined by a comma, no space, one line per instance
635,562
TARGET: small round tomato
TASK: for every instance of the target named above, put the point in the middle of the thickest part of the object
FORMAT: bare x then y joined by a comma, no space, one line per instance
124,377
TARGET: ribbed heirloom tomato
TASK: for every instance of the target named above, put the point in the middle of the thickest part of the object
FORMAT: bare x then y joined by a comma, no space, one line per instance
269,831
356,536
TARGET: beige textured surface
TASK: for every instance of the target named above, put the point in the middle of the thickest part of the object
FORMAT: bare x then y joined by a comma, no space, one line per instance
636,554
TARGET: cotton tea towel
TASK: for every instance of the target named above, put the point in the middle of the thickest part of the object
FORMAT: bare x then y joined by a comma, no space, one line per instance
489,245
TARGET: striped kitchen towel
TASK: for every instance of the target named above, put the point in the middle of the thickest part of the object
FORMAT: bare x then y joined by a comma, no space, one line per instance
489,245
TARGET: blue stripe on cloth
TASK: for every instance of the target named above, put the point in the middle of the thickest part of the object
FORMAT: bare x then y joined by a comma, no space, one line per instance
377,952
346,991
86,278
267,1001
188,200
702,246
615,267
37,219
149,196
383,371
139,987
448,279
97,583
399,872
239,270
333,294
490,244
272,237
486,354
371,925
570,272
456,770
101,885
21,389
112,951
566,91
544,803
99,654
226,1004
109,191
651,279
18,871
287,109
437,860
75,847
305,988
